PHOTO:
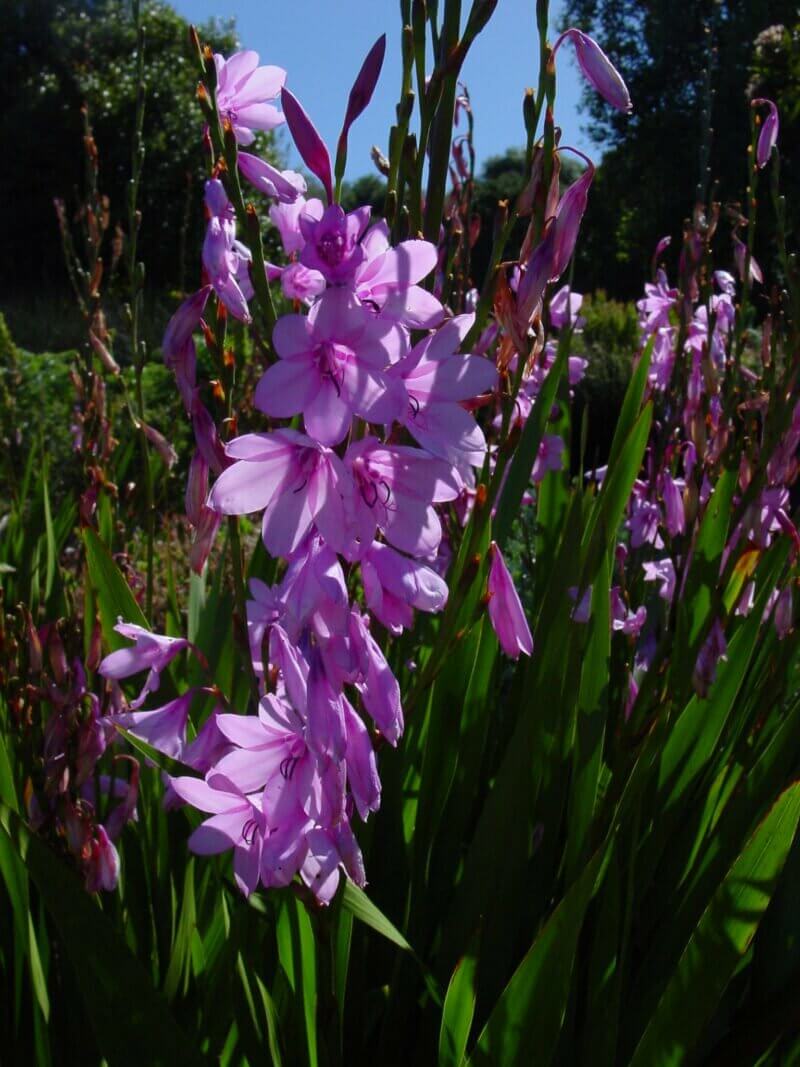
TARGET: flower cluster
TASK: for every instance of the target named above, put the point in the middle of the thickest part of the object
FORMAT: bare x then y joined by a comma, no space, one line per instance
350,498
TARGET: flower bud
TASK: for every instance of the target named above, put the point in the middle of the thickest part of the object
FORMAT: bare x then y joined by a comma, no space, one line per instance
598,69
308,141
196,488
361,93
768,137
505,609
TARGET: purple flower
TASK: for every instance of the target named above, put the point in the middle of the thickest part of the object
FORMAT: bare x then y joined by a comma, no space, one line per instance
269,745
332,241
301,283
582,611
661,570
505,608
208,747
292,478
655,306
644,518
164,728
287,218
101,868
325,712
332,368
550,258
394,585
242,91
237,821
598,69
784,612
362,767
151,652
673,505
768,136
328,850
550,456
564,307
711,653
225,259
435,380
576,368
378,685
394,488
623,620
285,185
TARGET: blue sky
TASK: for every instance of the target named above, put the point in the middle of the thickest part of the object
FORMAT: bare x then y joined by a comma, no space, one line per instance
321,44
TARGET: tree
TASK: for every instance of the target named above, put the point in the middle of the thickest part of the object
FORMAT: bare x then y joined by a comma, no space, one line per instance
687,65
55,56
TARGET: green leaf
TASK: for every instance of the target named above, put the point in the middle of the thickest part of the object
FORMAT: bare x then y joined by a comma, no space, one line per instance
720,940
602,527
180,960
357,902
525,1023
694,607
590,725
114,595
459,1008
50,537
631,405
519,471
131,1021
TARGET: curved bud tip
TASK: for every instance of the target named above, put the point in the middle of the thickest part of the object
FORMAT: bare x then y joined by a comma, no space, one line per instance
308,141
598,69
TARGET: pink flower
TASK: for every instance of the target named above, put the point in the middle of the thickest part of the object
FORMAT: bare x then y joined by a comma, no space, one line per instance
505,608
332,368
289,476
287,218
623,620
332,241
301,283
101,867
436,380
237,821
663,571
225,259
285,185
151,652
564,307
242,91
394,585
164,728
388,279
550,456
394,488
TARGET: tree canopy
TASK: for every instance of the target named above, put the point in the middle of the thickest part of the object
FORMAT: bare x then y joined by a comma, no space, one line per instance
692,68
56,55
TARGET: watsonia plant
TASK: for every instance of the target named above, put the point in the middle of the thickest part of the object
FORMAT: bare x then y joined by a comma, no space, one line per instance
378,796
